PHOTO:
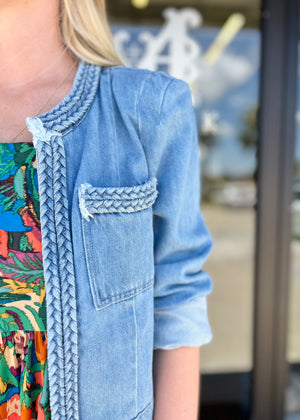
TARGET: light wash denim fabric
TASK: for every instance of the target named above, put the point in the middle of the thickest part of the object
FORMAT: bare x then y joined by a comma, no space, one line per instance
123,238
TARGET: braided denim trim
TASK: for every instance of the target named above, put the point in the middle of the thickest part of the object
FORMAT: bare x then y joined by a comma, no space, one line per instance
116,199
67,276
74,106
62,338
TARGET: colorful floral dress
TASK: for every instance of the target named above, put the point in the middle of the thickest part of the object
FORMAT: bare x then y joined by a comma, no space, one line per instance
24,388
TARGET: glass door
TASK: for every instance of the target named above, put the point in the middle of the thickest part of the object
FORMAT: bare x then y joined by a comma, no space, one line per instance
215,48
292,397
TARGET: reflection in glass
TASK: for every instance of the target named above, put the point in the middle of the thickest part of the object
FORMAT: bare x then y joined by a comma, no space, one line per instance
221,65
230,91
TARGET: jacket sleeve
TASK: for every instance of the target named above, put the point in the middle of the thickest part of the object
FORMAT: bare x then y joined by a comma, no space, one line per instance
181,239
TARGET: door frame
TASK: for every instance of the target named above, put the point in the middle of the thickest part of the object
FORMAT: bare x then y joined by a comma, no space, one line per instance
275,157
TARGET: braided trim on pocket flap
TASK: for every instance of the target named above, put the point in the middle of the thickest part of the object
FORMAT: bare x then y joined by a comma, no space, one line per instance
116,199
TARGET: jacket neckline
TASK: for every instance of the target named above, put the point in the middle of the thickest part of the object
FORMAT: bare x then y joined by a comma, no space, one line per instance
70,111
58,259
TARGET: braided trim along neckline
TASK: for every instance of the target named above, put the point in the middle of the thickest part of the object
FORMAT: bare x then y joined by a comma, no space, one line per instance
69,112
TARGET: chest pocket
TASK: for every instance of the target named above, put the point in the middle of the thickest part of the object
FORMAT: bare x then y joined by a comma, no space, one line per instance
118,239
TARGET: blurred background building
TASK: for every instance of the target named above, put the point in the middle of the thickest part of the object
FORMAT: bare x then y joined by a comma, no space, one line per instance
240,58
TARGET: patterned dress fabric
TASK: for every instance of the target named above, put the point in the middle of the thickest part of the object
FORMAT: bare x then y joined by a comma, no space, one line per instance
24,388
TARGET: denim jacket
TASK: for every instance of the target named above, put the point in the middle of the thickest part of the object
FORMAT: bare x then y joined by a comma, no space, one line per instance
122,235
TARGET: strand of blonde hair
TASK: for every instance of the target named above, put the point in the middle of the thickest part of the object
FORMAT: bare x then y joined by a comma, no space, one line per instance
86,32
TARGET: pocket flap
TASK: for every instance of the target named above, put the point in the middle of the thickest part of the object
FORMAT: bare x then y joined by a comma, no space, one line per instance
116,199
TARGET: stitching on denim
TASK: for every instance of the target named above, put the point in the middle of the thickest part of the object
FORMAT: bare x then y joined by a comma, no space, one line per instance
116,199
116,149
90,278
58,265
137,115
163,98
136,353
124,296
137,102
128,292
144,411
151,73
137,107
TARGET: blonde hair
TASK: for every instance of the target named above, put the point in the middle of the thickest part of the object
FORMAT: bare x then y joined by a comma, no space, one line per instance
86,32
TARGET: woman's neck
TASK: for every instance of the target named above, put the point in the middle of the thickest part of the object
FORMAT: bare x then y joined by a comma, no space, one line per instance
33,61
31,48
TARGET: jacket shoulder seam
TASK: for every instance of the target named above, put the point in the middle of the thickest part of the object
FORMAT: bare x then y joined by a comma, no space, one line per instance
163,98
151,73
139,94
